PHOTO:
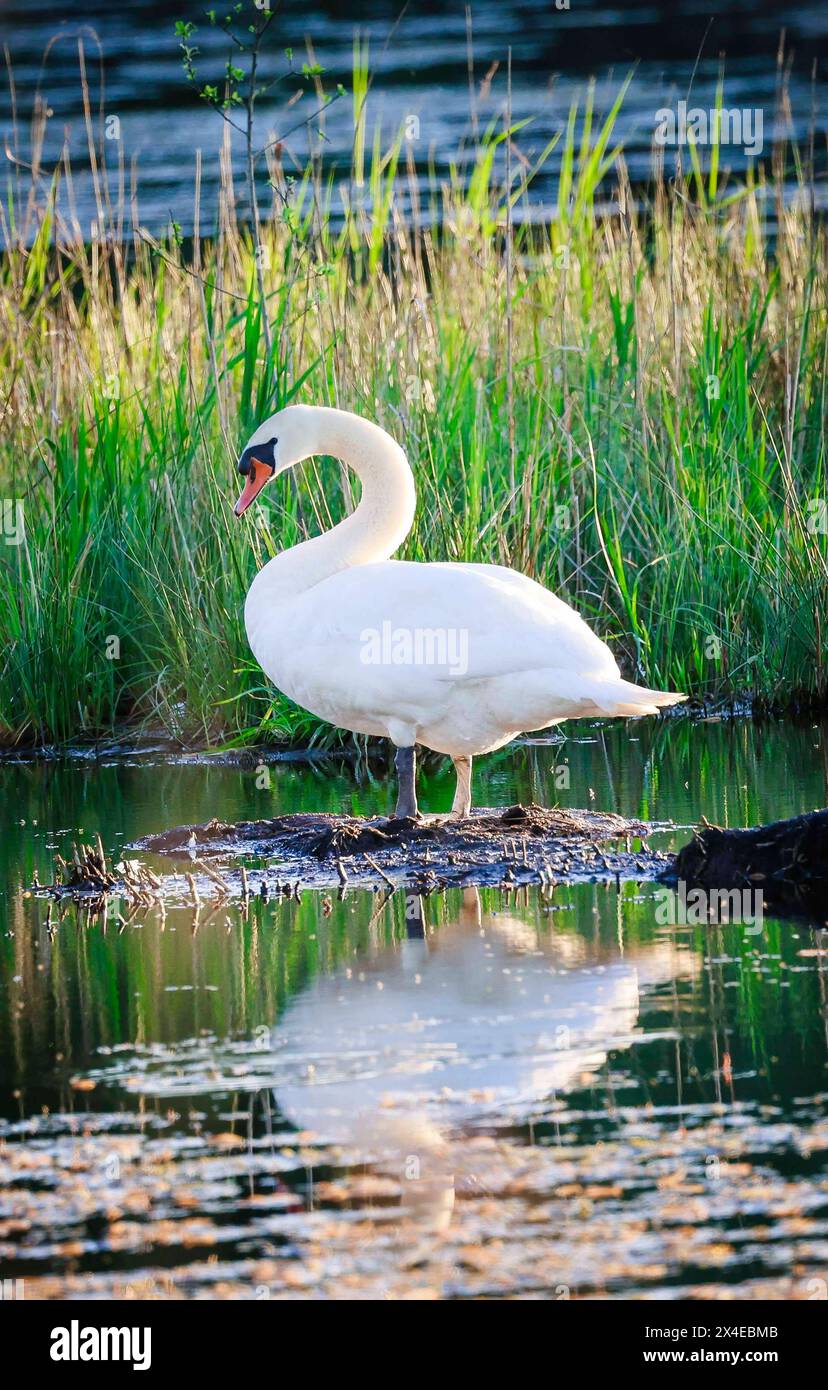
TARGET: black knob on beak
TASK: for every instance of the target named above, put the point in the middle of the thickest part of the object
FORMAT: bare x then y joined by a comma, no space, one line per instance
257,464
258,453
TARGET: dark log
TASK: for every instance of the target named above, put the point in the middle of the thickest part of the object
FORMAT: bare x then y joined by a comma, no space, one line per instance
787,860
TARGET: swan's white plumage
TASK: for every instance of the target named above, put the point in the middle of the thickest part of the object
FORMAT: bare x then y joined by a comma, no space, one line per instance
530,660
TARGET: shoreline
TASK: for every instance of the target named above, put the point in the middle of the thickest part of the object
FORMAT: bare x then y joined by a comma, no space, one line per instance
130,742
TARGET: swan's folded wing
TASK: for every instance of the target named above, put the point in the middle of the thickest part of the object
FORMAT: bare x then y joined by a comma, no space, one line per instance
467,622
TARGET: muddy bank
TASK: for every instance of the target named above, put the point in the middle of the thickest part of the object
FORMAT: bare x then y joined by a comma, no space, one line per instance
516,846
127,741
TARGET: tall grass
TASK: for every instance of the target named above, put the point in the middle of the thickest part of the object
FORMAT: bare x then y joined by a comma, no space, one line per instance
658,370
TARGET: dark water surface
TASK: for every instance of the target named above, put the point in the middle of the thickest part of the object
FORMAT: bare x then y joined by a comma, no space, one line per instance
421,76
522,1095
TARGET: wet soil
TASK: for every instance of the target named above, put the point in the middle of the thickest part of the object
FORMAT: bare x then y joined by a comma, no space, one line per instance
519,845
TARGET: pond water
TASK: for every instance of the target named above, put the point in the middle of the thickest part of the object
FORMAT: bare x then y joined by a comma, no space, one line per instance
480,1094
421,76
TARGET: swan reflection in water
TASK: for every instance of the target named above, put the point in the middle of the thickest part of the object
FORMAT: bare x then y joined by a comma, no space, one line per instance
477,1023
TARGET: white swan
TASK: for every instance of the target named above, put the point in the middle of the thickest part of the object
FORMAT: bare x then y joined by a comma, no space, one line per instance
459,658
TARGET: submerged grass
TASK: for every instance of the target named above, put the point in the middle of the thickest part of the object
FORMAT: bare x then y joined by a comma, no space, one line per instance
629,405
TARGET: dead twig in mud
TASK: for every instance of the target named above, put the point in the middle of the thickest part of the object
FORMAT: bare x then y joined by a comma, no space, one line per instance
600,856
90,878
375,866
211,873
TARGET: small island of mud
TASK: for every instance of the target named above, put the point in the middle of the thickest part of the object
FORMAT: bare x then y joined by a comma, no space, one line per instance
785,862
517,846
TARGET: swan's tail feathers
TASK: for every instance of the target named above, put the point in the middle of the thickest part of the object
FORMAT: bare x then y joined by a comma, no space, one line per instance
625,700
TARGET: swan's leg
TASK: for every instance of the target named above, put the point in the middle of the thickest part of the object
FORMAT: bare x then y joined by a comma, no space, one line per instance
461,805
406,764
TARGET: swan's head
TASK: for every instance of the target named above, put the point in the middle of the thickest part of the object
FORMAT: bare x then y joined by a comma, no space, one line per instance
286,438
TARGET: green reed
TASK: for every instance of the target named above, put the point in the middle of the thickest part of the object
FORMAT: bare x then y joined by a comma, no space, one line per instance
628,406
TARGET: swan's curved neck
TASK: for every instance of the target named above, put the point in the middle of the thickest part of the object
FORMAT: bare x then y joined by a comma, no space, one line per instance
372,532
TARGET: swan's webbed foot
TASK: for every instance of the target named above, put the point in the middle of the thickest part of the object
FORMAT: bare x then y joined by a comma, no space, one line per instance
406,764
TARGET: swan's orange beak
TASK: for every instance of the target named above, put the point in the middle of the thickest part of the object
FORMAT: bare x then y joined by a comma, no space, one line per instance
258,474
